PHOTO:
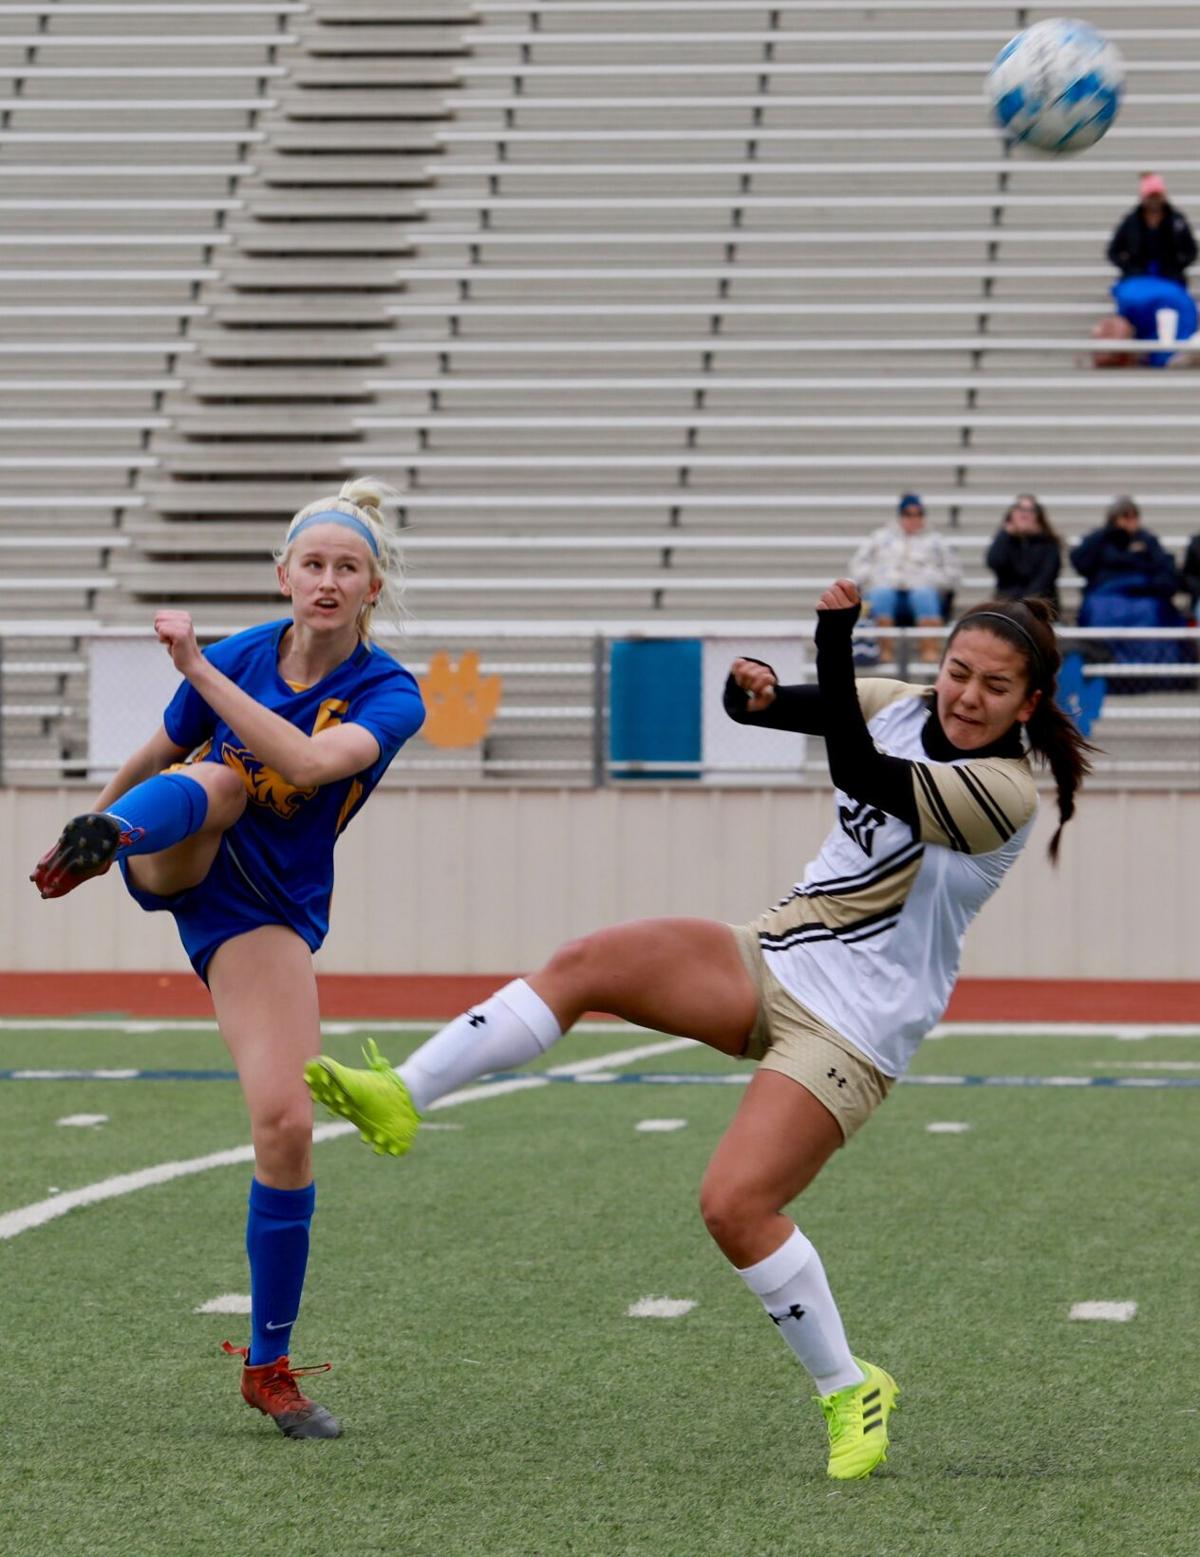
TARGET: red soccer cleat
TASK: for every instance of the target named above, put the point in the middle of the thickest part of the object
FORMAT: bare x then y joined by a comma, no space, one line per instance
85,849
270,1387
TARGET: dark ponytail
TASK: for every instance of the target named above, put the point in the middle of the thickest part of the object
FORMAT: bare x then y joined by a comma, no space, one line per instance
1026,625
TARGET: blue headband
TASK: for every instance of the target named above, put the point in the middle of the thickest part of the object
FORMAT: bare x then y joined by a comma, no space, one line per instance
335,516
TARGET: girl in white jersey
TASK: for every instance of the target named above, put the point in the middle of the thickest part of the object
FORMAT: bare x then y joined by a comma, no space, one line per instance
832,990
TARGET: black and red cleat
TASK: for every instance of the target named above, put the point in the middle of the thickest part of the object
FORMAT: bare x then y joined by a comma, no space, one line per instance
271,1388
85,849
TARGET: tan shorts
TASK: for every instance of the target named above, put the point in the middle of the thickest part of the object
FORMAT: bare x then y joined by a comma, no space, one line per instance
788,1037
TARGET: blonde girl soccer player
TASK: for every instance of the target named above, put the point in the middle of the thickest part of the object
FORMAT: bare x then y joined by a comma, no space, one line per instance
833,989
286,729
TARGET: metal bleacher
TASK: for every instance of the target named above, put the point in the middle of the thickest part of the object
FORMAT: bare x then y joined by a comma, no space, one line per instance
649,309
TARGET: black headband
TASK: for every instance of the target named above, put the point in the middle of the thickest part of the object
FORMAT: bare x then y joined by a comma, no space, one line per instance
1039,664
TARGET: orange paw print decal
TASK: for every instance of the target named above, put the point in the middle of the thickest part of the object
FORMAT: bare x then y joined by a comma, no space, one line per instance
460,704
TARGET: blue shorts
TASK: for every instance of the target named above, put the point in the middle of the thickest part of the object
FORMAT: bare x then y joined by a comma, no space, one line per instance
223,905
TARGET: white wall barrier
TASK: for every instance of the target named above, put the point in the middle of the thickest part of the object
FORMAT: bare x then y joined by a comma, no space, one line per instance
468,880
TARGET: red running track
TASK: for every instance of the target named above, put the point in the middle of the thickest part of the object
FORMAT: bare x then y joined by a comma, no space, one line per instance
412,997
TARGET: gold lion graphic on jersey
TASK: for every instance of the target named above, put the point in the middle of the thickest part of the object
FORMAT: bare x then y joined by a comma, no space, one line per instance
263,784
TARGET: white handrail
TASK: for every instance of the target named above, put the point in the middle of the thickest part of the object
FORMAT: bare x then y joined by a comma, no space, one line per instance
469,629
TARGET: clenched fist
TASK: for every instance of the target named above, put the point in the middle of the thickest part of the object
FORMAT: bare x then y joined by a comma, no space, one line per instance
840,596
175,630
758,680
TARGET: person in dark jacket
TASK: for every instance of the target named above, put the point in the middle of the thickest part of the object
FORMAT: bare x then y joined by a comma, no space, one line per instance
1026,553
1190,573
1125,559
1152,247
1130,581
1154,239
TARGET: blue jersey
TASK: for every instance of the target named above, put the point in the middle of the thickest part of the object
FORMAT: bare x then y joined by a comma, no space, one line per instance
282,845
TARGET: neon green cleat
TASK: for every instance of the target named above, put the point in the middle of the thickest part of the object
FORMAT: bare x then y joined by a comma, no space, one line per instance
857,1420
375,1099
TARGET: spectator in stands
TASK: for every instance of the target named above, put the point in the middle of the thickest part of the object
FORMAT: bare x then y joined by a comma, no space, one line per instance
1152,247
1130,580
907,574
1026,553
1154,239
1190,573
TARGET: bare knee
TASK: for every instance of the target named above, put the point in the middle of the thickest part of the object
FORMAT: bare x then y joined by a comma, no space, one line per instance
738,1217
283,1139
574,958
225,790
574,976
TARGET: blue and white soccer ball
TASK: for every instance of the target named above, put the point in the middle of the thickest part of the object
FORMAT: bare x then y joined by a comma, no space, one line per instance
1056,86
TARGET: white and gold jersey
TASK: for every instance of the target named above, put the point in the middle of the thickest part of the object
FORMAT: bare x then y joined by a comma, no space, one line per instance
870,940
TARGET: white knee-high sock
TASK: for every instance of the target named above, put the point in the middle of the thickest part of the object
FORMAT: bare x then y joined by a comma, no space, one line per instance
795,1293
510,1028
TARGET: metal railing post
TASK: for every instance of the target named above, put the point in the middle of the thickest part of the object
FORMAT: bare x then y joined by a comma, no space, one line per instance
599,711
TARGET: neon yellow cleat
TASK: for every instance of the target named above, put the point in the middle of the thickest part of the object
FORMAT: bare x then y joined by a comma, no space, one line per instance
375,1099
857,1420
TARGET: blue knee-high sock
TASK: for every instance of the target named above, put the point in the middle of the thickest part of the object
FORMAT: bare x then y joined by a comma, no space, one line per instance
160,811
277,1247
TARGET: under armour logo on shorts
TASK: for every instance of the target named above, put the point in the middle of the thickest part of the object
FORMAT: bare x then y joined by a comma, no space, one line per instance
833,1075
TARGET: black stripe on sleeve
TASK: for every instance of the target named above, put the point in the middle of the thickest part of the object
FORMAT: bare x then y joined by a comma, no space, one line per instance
839,886
987,804
940,809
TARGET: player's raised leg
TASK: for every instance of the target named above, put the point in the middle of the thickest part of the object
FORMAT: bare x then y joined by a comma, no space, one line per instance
171,821
682,976
265,995
777,1143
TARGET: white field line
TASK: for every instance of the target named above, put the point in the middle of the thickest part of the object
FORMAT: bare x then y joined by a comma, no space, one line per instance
140,1025
41,1211
1143,1064
660,1308
226,1303
133,1026
605,1062
1120,1313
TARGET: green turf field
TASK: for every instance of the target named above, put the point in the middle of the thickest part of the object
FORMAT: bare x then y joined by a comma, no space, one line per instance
495,1396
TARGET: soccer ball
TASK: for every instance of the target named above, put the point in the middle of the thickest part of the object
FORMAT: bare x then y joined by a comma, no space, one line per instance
1056,86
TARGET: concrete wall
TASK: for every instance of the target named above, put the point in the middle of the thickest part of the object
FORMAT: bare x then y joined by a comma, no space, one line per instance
463,881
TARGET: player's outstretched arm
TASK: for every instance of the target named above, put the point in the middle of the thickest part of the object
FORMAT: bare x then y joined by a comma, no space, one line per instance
753,696
303,760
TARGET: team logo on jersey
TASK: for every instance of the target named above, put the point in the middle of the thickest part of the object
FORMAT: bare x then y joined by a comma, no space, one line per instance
861,822
264,786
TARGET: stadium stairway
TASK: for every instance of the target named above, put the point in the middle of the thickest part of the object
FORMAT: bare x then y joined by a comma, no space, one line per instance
650,310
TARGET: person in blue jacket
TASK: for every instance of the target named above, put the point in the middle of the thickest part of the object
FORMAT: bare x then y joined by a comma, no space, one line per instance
1123,558
1130,580
227,819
